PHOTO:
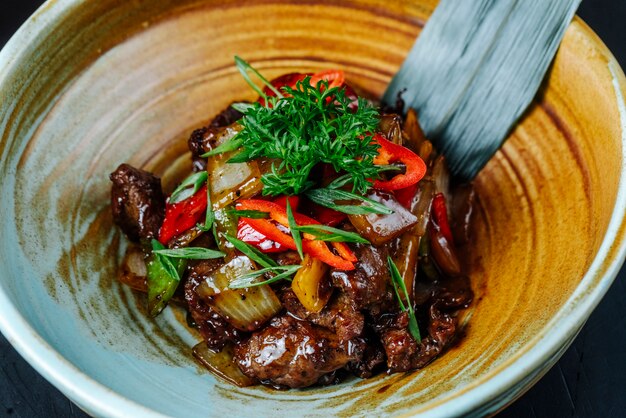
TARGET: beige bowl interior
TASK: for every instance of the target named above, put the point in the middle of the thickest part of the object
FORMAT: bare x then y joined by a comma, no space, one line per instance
114,81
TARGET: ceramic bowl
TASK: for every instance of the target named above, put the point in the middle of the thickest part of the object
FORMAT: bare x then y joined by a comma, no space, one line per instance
88,85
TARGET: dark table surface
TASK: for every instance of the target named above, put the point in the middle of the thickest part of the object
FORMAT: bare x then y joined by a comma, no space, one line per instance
588,381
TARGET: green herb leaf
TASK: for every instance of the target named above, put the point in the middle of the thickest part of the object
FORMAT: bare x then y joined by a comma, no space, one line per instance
163,277
252,253
165,261
396,280
209,217
188,187
241,107
306,126
293,228
244,67
248,279
327,197
191,253
228,146
346,179
251,214
330,234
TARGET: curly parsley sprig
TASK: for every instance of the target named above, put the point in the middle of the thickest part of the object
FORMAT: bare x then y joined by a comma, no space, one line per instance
307,126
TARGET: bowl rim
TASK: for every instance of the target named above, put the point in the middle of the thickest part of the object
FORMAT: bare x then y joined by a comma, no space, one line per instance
99,400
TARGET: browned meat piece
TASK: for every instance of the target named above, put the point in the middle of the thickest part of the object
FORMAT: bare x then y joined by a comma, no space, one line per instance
292,353
137,202
213,328
340,315
449,294
203,140
200,142
226,117
369,283
373,358
403,352
288,258
454,293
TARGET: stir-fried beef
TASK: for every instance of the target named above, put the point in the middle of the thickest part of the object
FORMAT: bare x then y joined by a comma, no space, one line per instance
203,140
360,327
226,117
340,315
403,352
373,359
214,329
368,284
293,353
137,202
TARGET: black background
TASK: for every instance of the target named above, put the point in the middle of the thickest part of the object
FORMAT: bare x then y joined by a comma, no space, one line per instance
588,381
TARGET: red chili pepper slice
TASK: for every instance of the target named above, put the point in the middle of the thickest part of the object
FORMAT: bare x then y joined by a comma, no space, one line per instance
390,153
440,215
251,236
183,215
316,248
288,80
328,216
335,78
405,196
294,201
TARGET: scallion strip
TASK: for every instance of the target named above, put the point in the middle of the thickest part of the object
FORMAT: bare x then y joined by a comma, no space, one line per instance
165,261
209,218
244,67
252,253
330,234
396,280
228,146
188,187
248,279
327,197
293,228
191,253
251,214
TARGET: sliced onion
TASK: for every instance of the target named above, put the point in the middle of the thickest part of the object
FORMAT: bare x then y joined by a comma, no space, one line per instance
441,176
379,229
222,364
421,205
413,134
245,309
461,207
406,259
133,271
390,126
230,182
444,254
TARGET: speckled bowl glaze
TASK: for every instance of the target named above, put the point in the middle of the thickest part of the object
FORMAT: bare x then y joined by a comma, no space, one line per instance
85,86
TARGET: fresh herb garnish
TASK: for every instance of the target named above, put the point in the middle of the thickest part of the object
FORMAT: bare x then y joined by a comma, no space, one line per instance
346,179
209,218
244,67
252,214
302,127
190,253
228,146
330,234
248,280
165,261
328,197
252,253
396,280
293,227
188,187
